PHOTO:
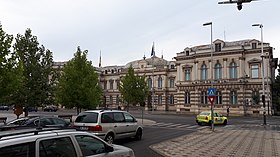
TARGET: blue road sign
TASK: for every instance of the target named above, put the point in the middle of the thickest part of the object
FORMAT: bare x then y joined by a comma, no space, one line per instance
211,92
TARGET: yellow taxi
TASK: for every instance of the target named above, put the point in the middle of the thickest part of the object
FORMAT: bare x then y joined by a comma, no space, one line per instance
205,118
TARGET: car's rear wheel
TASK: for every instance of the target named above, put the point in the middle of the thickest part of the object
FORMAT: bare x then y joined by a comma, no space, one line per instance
225,122
109,138
138,135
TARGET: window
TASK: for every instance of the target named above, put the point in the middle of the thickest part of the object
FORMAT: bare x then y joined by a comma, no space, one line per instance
187,74
203,97
149,82
107,118
255,70
90,145
218,71
187,98
117,100
111,84
203,72
219,97
118,83
128,118
160,82
172,66
232,70
171,83
255,98
233,97
171,99
105,84
159,99
87,118
218,47
254,45
111,99
24,150
57,147
118,117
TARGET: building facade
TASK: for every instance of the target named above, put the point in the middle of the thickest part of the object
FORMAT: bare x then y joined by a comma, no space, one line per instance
233,68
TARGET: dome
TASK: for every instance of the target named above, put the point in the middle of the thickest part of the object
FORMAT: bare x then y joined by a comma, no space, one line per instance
156,61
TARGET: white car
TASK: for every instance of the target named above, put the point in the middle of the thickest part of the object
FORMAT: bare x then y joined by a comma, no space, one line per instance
54,142
109,125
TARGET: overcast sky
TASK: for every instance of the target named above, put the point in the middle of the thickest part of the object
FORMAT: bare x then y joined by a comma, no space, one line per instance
124,30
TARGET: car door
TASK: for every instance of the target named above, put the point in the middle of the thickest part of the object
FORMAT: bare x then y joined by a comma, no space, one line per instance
93,147
55,146
120,127
218,119
131,124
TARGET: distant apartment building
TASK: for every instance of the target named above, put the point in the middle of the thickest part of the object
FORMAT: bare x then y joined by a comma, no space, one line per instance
233,68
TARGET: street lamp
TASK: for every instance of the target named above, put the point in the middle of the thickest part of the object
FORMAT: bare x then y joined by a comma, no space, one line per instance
262,56
211,45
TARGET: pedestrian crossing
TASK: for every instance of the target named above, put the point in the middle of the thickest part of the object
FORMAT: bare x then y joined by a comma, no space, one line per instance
176,126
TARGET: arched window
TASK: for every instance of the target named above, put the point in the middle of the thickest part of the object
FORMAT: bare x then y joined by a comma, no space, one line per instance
187,74
233,97
218,71
255,98
219,98
171,99
160,82
187,98
232,70
159,99
203,72
149,82
203,97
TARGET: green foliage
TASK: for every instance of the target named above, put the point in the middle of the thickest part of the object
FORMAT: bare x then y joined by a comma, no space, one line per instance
133,88
78,85
35,67
9,69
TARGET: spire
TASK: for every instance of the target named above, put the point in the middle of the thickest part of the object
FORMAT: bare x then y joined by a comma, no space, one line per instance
100,60
161,54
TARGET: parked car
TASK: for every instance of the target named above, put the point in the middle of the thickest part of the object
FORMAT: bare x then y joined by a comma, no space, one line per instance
110,125
4,108
205,118
50,108
53,142
31,109
35,121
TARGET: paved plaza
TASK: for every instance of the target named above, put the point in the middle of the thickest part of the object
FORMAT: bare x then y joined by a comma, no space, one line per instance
230,141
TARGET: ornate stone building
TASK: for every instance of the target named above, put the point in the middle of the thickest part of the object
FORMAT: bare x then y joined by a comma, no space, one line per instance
181,85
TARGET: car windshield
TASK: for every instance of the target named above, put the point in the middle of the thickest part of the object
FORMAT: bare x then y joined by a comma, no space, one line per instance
87,117
204,113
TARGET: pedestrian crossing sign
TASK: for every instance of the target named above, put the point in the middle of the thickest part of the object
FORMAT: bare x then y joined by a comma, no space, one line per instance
211,92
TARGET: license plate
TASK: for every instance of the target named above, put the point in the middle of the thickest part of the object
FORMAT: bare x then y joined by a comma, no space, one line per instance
83,128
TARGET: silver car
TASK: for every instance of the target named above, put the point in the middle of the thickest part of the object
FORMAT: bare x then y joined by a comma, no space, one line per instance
53,142
109,125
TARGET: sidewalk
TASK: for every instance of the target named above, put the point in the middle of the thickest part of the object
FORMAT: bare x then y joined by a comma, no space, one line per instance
253,141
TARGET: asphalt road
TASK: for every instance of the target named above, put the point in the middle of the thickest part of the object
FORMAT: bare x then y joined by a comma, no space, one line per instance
166,126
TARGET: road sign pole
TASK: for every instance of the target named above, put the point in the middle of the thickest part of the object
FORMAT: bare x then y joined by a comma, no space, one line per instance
212,117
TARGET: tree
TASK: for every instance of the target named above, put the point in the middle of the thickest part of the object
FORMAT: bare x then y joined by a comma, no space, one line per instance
133,88
36,67
78,85
9,69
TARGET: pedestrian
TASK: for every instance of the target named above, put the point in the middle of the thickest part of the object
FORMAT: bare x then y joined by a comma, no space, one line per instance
227,111
119,108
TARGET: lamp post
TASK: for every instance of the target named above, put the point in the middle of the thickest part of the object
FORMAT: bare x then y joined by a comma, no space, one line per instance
211,45
262,56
